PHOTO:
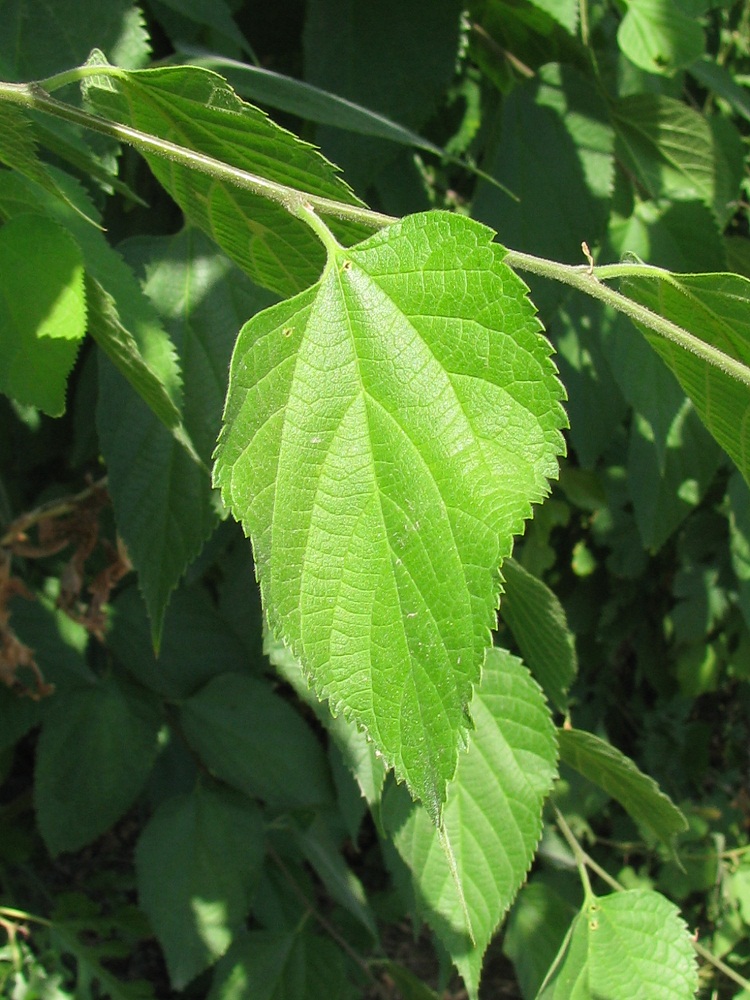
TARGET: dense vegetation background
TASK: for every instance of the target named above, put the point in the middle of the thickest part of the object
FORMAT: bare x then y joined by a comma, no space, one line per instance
194,823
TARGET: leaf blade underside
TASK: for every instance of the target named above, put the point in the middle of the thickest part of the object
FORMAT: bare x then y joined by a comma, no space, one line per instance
384,437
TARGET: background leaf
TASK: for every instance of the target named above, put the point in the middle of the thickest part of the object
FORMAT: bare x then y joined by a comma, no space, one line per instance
39,42
42,311
197,861
165,505
385,434
537,620
253,740
95,751
658,36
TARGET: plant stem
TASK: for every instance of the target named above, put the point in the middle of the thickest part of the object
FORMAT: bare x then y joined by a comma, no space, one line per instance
578,853
587,279
36,98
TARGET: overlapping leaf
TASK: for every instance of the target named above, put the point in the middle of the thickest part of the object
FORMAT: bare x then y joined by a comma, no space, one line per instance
492,815
385,435
197,109
607,767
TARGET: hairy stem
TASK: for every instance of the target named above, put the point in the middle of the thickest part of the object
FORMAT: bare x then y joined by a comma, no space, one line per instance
587,279
34,97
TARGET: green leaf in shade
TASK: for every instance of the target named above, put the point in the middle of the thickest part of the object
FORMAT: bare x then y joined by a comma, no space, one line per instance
667,145
626,946
375,55
721,81
739,540
215,14
715,308
536,928
95,752
196,644
252,739
324,856
557,209
120,316
197,109
659,37
612,771
42,311
281,965
565,12
36,43
671,466
537,620
165,506
197,861
122,350
385,435
355,750
492,815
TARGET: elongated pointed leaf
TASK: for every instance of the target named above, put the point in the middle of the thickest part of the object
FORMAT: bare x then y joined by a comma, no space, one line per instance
611,770
165,505
537,620
198,109
492,815
197,860
385,435
667,145
626,946
18,150
716,309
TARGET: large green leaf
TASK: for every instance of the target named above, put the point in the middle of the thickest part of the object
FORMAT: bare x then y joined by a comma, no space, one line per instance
658,36
42,311
197,109
715,308
197,861
385,435
626,946
96,748
611,770
492,815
